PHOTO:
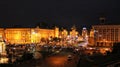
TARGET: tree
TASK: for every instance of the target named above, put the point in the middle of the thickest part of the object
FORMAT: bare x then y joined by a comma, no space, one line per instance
56,39
43,39
116,48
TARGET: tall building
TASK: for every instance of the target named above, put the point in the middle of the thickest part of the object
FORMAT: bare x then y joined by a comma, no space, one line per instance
84,32
91,38
106,35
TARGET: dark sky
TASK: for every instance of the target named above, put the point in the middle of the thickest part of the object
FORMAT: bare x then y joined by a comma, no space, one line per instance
60,12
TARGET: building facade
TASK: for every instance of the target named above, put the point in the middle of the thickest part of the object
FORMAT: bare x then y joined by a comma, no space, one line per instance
106,35
27,35
73,32
64,33
84,33
91,38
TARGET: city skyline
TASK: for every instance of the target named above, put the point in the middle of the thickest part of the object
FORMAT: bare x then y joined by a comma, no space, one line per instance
65,33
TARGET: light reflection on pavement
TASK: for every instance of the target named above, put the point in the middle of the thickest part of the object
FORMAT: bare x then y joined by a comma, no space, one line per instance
56,61
59,61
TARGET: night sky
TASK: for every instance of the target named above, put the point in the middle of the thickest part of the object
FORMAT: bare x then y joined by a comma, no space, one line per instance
65,13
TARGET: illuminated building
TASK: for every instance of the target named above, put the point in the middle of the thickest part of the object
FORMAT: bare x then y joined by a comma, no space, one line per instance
2,32
2,46
64,33
73,32
91,37
106,35
84,32
56,32
27,35
2,43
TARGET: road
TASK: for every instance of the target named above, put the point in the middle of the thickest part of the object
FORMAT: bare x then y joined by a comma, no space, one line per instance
60,60
57,60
